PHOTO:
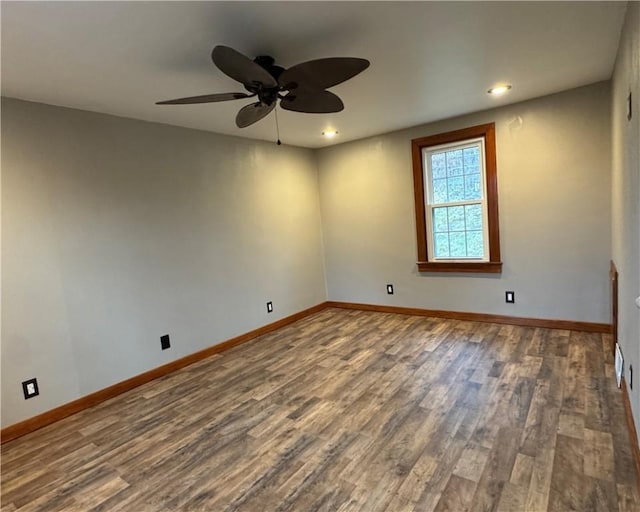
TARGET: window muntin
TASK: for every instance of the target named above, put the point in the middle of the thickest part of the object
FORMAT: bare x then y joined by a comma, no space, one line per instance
456,211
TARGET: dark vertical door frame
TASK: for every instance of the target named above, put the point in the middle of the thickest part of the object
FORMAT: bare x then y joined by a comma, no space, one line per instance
613,275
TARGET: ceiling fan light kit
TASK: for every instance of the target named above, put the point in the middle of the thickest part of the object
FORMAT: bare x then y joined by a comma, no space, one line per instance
301,88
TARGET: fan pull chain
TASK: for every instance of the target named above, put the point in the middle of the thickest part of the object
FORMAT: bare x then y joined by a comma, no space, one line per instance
277,127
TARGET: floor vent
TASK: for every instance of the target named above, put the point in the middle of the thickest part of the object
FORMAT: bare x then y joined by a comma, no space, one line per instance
619,364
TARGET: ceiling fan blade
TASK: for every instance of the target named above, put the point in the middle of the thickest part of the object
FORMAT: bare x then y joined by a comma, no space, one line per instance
252,113
207,98
312,102
316,75
241,68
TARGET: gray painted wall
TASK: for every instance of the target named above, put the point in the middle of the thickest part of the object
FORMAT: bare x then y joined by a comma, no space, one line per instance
626,193
117,231
554,199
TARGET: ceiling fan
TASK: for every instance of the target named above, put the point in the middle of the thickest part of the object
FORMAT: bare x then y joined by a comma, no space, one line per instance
301,88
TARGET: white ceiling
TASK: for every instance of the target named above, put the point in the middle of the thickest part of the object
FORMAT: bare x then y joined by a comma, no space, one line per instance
429,60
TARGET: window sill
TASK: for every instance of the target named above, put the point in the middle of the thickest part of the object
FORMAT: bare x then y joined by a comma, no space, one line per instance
484,267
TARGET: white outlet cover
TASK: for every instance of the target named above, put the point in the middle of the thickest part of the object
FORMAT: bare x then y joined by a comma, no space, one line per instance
638,302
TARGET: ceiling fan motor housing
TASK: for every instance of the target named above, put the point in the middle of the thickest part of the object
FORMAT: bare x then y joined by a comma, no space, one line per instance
267,62
266,95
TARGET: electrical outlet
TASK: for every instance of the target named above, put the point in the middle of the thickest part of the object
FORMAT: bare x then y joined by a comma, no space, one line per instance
510,297
390,289
165,343
269,307
30,388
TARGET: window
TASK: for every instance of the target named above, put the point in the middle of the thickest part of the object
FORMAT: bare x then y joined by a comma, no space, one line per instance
456,194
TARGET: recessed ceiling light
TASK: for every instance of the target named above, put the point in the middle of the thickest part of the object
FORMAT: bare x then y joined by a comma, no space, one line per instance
499,89
330,134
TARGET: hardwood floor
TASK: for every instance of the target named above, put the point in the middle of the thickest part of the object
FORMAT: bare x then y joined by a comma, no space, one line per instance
350,411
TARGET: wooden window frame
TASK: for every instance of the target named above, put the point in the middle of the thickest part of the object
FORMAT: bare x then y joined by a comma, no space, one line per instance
488,132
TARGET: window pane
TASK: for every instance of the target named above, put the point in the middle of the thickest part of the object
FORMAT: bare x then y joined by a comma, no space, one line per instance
454,163
458,231
438,166
457,245
471,158
475,247
440,191
456,218
442,245
473,216
472,187
455,188
440,222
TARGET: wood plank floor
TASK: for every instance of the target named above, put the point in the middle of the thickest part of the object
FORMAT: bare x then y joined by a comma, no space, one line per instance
350,411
